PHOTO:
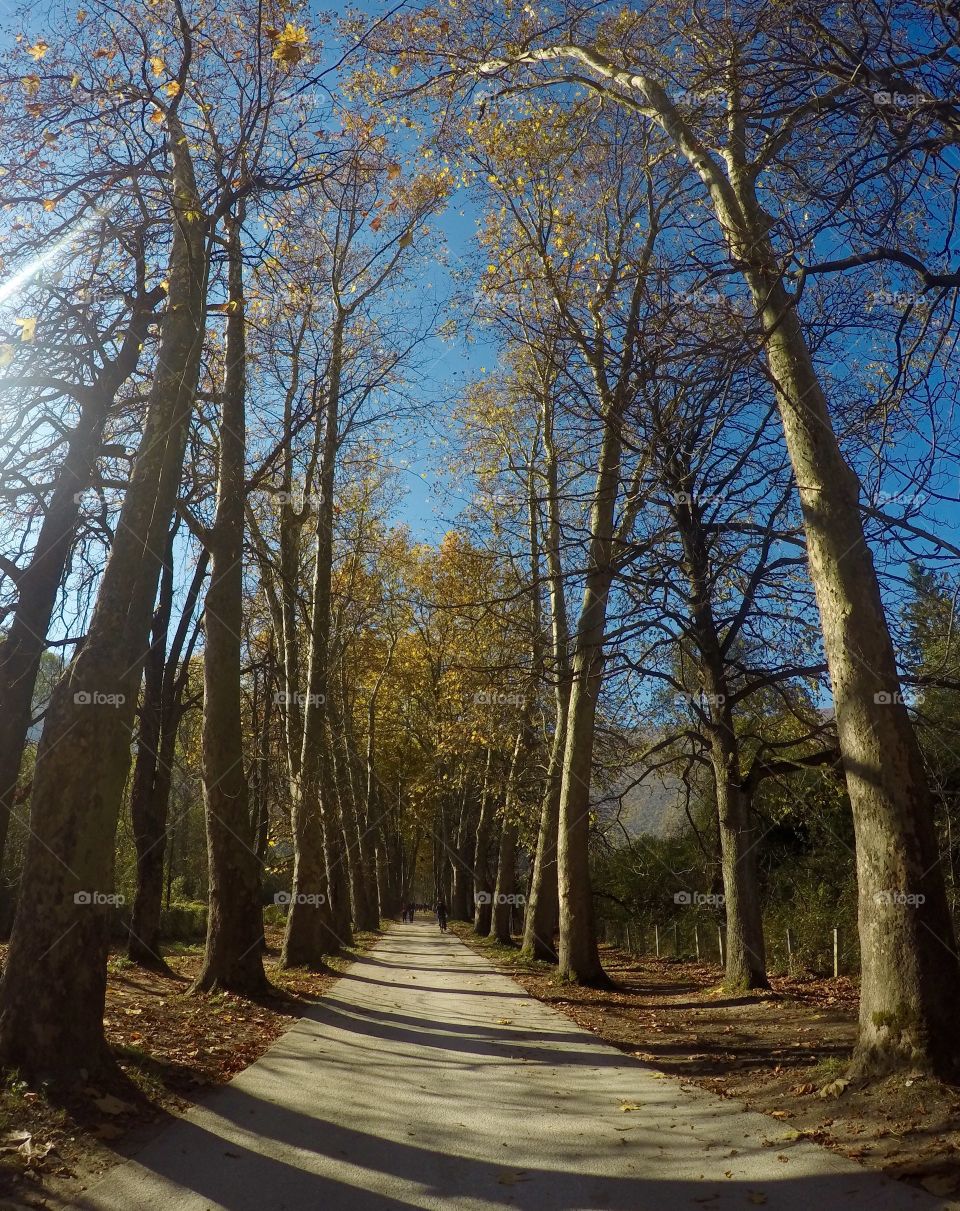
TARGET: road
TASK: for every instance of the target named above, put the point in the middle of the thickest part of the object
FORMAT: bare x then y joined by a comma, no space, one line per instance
426,1079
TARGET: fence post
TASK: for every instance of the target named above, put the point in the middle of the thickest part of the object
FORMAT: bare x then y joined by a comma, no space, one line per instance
836,952
720,943
656,939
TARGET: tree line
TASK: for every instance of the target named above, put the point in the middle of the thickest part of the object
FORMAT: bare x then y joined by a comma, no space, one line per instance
702,496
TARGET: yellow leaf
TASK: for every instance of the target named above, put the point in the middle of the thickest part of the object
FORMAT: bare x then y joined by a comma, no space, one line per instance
7,353
49,204
393,171
74,80
157,66
28,327
81,14
406,239
172,88
38,50
394,70
31,84
157,116
290,44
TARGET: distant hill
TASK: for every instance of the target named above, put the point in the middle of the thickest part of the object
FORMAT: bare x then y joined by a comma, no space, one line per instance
636,805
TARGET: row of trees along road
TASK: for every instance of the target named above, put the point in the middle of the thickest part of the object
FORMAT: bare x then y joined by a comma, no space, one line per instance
703,518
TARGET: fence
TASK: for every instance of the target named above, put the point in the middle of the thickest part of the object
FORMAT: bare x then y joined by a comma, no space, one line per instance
703,940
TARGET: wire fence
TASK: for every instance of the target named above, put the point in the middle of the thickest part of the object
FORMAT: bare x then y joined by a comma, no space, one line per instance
830,951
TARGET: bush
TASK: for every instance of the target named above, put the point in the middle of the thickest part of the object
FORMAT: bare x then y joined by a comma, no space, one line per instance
185,921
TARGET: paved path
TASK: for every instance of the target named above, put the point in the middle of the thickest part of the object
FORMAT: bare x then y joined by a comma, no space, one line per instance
425,1079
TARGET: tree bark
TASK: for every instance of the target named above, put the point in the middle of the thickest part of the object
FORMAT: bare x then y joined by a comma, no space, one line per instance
910,975
746,954
317,926
506,888
482,883
58,948
232,959
39,582
579,956
542,918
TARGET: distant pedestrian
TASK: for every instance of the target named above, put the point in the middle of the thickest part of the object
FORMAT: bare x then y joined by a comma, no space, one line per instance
442,915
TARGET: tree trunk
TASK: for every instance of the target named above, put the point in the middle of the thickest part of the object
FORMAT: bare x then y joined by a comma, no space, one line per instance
153,773
505,894
746,965
542,917
579,956
910,975
39,583
543,907
58,948
482,883
232,960
315,926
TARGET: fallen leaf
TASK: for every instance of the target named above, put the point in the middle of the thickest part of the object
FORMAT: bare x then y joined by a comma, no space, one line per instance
108,1131
510,1177
112,1105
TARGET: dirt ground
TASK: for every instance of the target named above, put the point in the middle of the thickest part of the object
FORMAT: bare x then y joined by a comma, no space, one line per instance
782,1052
171,1047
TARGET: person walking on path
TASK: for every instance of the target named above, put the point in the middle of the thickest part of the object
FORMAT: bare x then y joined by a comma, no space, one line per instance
442,915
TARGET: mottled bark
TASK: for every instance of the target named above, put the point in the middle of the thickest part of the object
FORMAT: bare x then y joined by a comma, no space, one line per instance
579,957
745,950
542,918
482,882
38,583
317,926
232,958
58,948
